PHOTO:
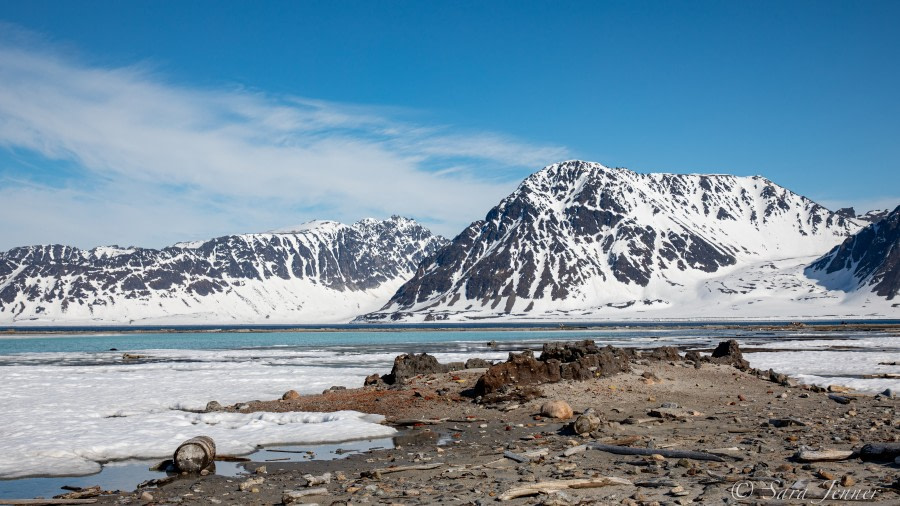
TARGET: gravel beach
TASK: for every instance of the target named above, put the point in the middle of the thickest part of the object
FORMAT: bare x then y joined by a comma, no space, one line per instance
750,433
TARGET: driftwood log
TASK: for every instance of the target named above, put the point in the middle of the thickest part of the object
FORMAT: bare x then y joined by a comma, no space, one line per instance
880,451
553,485
195,454
376,473
824,455
675,454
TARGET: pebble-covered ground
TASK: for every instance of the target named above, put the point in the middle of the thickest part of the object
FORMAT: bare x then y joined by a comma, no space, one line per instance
468,453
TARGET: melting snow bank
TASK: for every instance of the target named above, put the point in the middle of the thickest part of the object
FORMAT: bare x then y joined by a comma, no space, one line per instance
76,449
846,367
66,413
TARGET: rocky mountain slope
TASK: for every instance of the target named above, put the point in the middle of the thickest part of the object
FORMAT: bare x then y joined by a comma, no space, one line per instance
868,260
580,240
318,272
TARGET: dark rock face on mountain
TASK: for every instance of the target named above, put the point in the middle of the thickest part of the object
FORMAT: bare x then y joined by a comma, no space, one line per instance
870,259
579,235
224,279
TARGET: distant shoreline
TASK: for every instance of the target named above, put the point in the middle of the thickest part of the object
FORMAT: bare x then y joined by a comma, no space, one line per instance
818,326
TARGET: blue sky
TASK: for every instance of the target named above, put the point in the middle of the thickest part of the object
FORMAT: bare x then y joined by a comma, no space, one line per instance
148,123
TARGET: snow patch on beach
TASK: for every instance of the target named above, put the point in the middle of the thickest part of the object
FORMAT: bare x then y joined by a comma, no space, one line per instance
64,413
815,365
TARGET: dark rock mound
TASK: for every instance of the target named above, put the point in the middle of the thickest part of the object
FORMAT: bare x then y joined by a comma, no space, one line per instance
729,353
574,361
411,365
568,352
665,353
519,369
478,363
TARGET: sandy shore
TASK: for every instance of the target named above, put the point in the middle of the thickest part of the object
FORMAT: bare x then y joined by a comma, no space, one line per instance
465,452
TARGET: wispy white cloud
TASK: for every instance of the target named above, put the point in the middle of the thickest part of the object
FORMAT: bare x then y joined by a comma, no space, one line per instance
157,163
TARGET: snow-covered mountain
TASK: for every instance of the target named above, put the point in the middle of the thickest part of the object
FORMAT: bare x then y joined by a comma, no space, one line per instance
578,240
868,261
317,272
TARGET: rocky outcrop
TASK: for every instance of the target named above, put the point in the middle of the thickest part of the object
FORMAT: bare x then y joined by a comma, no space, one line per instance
558,361
665,353
519,369
411,365
726,353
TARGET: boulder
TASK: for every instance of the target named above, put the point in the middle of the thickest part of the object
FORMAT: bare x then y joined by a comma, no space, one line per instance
290,395
411,365
665,353
728,352
477,363
586,423
557,409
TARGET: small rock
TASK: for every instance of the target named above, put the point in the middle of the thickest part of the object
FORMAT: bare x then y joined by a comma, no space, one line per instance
290,395
847,481
146,496
557,409
261,470
825,475
585,424
678,491
251,483
213,406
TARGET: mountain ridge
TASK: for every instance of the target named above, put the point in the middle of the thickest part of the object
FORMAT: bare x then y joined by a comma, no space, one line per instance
259,277
579,237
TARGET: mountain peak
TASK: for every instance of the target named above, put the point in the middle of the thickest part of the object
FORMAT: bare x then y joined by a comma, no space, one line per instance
580,235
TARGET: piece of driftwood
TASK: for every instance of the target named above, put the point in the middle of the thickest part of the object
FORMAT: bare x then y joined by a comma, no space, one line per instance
35,502
658,483
231,458
79,493
880,451
553,485
675,454
515,456
417,421
292,496
573,450
840,399
823,455
624,441
195,454
376,473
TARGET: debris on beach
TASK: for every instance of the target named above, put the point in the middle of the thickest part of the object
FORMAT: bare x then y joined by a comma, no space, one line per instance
195,454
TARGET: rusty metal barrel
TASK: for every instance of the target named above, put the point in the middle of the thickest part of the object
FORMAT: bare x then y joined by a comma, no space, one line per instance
195,454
